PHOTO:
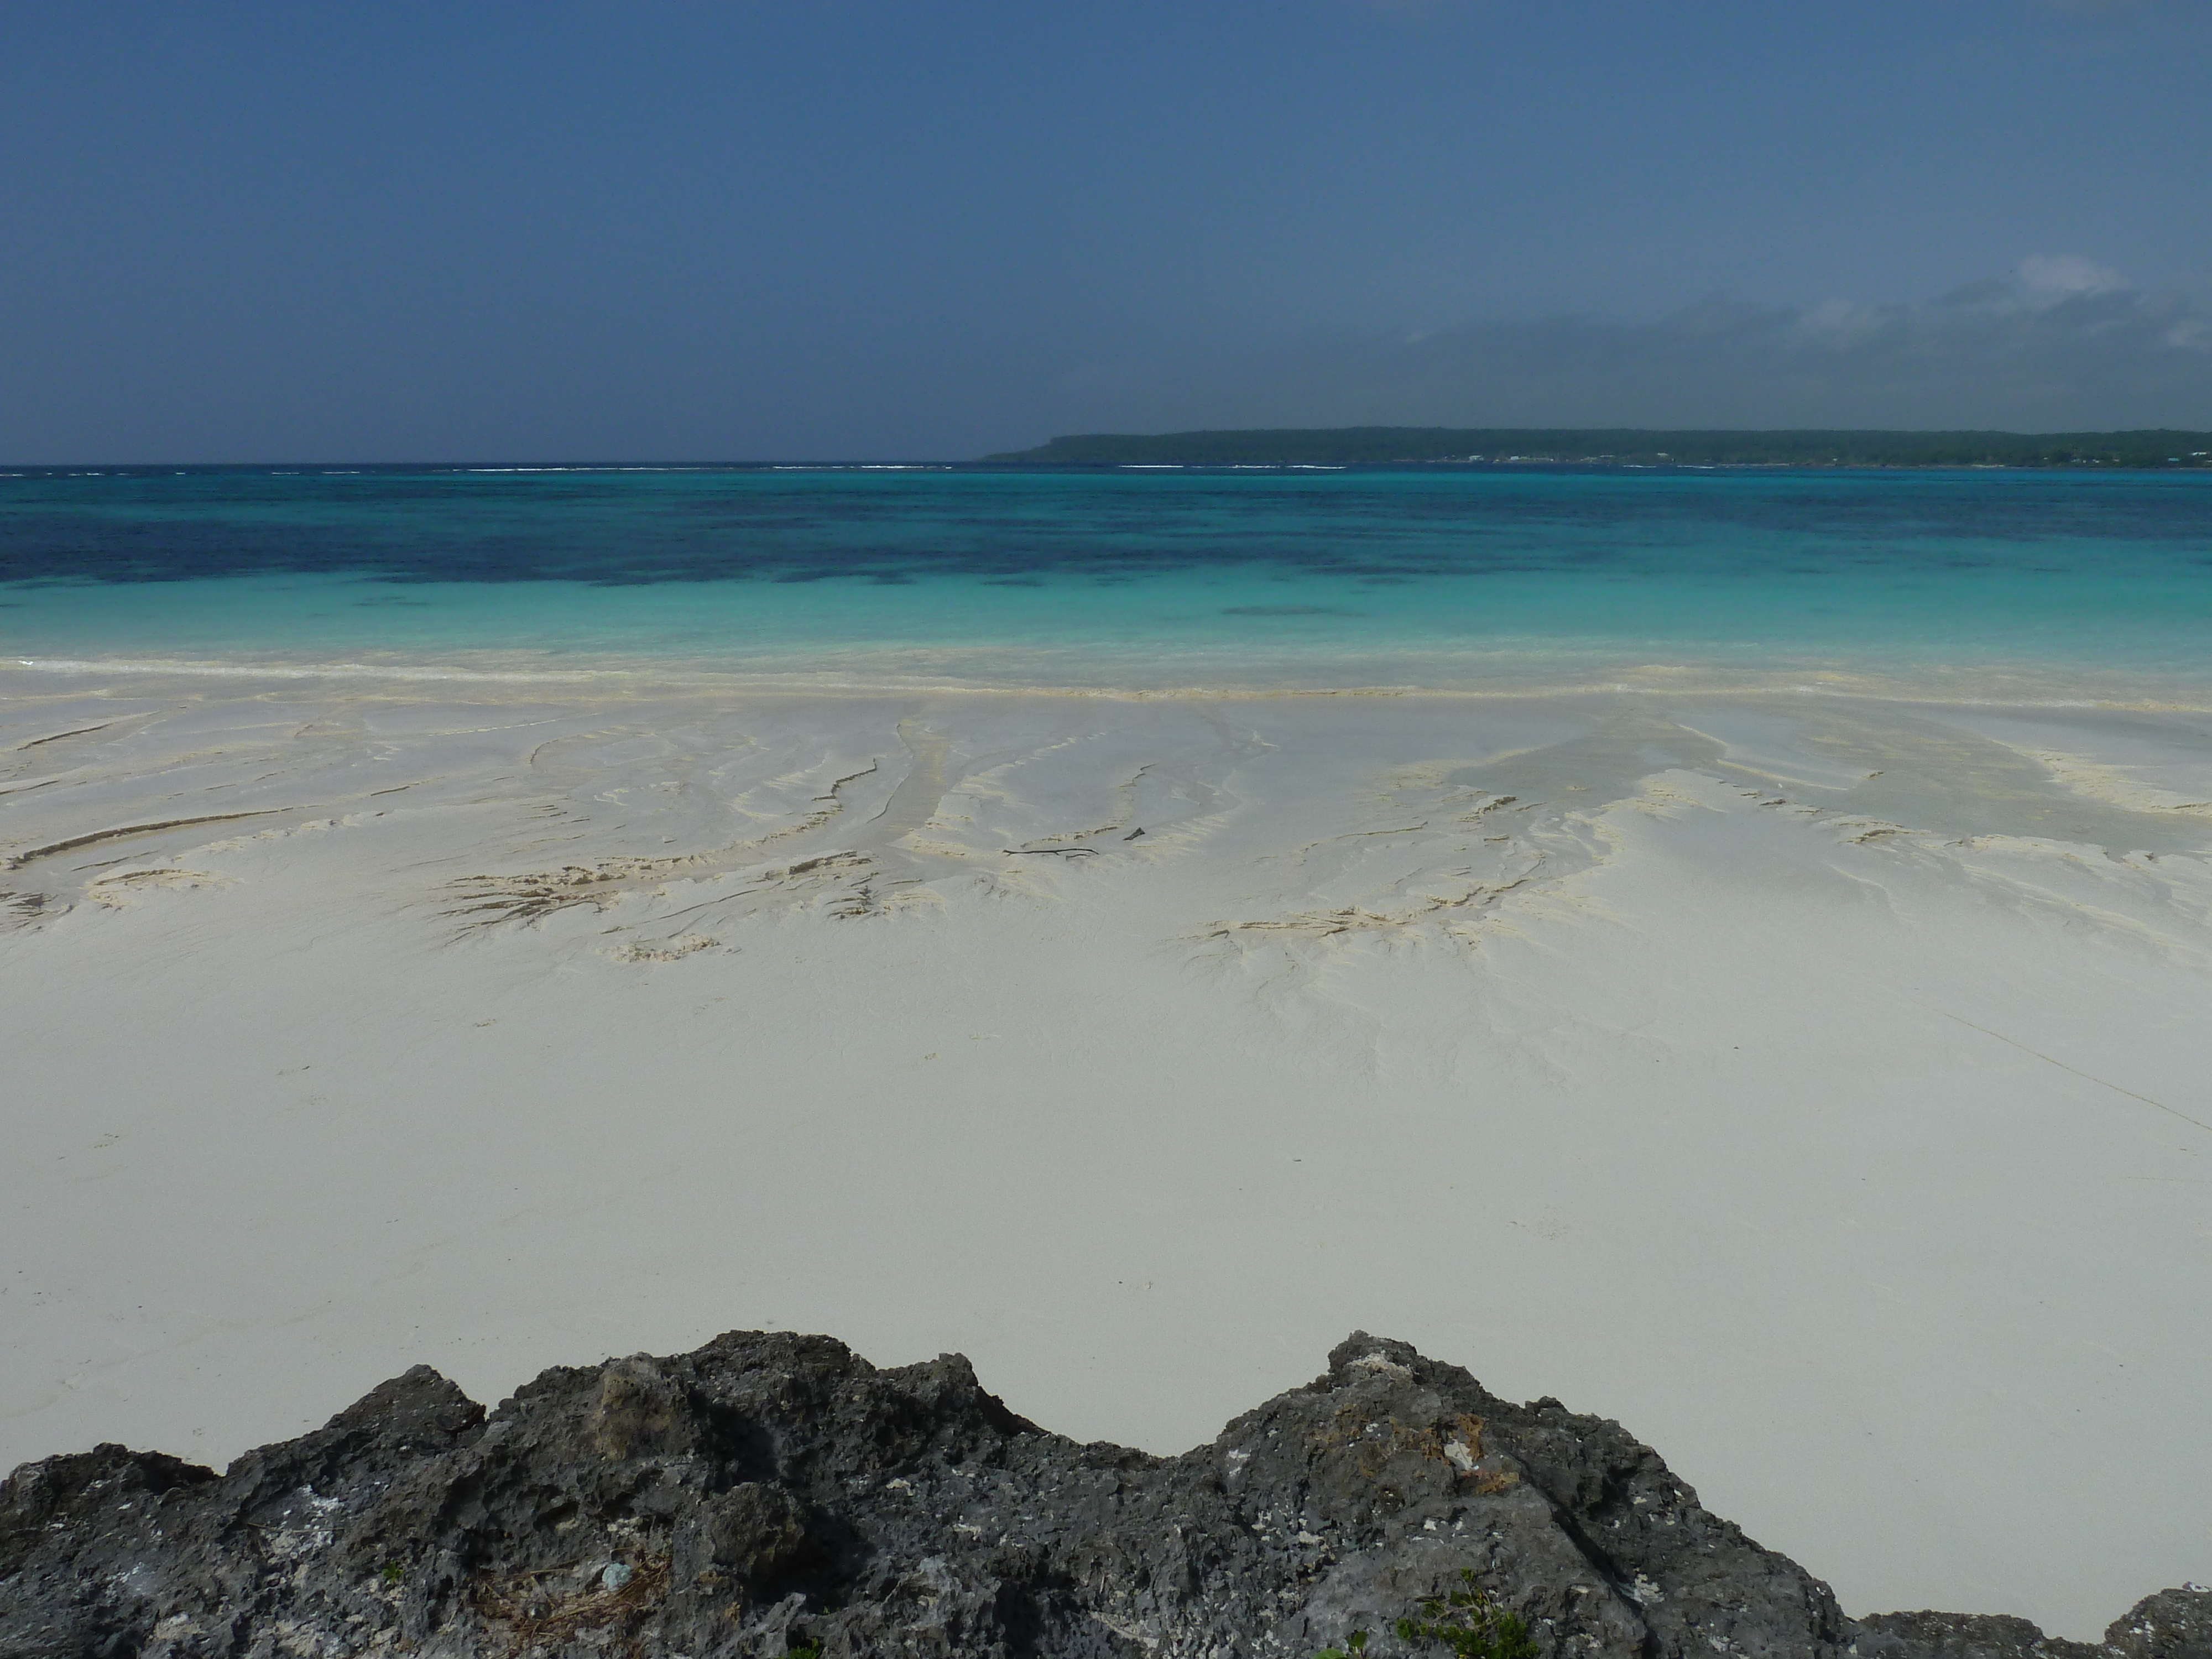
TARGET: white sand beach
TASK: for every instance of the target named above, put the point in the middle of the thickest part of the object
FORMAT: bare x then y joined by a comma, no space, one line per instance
1818,1086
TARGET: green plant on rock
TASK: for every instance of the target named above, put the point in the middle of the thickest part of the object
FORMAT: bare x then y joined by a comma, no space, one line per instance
1469,1624
1354,1645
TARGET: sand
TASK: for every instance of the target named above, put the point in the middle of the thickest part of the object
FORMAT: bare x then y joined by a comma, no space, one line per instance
1817,1086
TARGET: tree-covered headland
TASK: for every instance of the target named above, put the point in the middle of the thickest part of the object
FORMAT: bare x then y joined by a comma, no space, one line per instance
1383,445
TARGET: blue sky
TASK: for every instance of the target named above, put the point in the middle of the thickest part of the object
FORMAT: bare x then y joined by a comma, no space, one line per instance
835,227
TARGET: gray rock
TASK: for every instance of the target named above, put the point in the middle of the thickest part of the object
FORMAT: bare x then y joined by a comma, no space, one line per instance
769,1493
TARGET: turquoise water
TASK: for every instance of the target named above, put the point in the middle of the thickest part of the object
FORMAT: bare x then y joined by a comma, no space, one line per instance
1981,583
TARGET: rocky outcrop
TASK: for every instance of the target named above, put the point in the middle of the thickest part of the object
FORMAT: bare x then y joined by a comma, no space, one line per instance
773,1494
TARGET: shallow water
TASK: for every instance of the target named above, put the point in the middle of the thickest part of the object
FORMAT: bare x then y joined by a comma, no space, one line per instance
2000,587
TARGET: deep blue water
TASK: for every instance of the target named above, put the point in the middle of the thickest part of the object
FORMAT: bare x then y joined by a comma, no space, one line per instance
2010,583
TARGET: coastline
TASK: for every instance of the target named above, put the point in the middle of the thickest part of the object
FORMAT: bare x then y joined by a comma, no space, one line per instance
1503,676
1813,1080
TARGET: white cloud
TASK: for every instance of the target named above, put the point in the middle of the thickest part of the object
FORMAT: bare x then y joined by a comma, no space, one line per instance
2062,274
1833,320
2064,344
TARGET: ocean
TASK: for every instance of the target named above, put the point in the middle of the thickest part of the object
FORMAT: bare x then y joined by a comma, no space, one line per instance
1980,584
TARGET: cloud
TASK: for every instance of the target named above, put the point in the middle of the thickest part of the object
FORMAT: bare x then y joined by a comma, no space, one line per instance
2063,343
2063,275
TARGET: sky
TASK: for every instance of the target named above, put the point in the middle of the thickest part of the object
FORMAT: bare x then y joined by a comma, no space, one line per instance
782,229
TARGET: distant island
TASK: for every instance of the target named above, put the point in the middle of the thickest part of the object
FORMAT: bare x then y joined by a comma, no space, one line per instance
1383,445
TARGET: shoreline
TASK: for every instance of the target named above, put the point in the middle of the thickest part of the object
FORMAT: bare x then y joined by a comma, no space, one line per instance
1660,681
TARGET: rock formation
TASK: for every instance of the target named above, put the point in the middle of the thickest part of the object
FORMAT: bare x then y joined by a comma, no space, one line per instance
773,1494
